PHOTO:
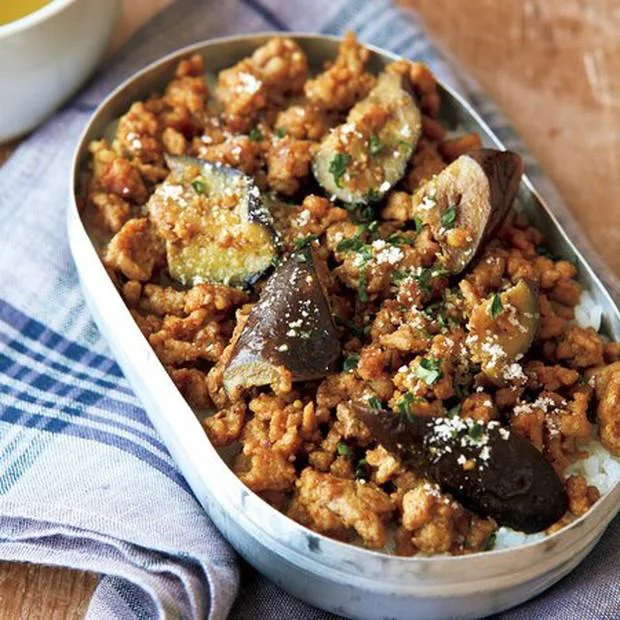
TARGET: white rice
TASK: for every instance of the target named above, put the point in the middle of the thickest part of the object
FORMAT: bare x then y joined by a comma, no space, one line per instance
601,468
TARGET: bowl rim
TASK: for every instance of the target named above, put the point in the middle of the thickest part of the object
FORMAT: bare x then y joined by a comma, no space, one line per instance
35,17
327,543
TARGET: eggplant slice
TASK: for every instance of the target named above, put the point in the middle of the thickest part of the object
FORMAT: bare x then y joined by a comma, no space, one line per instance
503,328
291,327
490,470
215,224
365,157
474,194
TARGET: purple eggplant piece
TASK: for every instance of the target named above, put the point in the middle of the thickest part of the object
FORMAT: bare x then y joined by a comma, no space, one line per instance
490,470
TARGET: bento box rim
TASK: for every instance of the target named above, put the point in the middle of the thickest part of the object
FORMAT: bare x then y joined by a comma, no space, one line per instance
261,36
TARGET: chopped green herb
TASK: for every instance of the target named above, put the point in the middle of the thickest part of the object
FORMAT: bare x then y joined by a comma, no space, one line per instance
373,226
343,450
352,243
302,242
490,542
496,306
453,412
398,275
374,145
398,239
429,370
448,217
476,431
361,470
373,195
404,143
350,362
375,403
199,186
404,404
362,291
338,166
256,135
276,261
280,132
361,212
418,223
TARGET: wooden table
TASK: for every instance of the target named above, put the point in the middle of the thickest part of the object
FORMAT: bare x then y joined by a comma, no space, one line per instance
553,66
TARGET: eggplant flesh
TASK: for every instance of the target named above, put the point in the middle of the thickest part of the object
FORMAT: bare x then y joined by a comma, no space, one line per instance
474,193
503,336
362,159
490,470
291,327
215,224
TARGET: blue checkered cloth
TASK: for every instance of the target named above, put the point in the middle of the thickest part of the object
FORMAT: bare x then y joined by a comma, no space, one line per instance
85,481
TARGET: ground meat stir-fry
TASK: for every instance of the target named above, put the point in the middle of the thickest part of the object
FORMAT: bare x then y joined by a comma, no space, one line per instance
492,342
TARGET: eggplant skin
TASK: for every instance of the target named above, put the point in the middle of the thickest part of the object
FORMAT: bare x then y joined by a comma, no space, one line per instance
505,477
215,223
290,327
479,187
362,159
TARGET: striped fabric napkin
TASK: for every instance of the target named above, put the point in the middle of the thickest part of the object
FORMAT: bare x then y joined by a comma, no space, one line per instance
85,481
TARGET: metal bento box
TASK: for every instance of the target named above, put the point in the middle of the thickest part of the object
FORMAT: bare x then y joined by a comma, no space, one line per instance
339,577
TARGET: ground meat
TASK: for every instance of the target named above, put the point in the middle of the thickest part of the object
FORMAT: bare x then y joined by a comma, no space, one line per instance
225,426
581,496
195,337
116,175
303,122
580,347
407,328
334,505
112,209
288,164
192,383
607,382
135,250
345,82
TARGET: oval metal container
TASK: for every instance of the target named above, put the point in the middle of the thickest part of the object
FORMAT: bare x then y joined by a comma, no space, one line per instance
338,577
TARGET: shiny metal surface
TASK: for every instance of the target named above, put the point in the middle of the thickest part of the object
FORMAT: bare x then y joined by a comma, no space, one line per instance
339,577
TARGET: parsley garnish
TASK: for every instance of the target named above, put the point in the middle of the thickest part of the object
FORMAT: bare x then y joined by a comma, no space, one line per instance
398,275
352,243
373,226
350,362
343,450
280,132
448,217
373,195
199,186
496,306
301,242
404,143
362,292
375,403
476,431
361,470
361,212
256,135
418,223
453,412
374,145
338,166
429,370
398,239
490,542
404,404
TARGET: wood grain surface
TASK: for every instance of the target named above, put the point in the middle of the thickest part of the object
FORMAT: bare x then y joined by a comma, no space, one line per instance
553,66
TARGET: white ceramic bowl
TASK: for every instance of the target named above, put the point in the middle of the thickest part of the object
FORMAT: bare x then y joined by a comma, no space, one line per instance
46,55
339,577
